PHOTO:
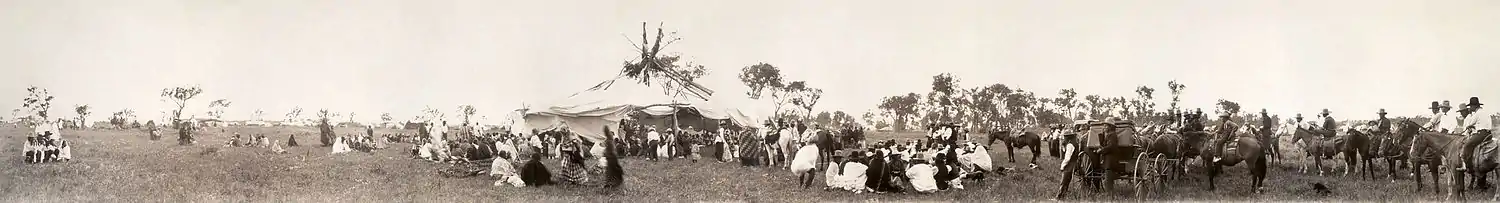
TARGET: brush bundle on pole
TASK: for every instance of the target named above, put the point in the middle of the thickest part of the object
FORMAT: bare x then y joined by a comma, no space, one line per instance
652,63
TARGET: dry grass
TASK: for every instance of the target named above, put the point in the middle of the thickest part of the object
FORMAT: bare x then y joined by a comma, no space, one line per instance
125,166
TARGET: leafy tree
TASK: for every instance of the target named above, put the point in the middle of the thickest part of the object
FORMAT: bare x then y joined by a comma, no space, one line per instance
824,119
1176,89
902,108
83,114
217,107
39,102
1067,100
120,118
466,112
803,96
1231,107
844,120
181,96
1096,106
386,117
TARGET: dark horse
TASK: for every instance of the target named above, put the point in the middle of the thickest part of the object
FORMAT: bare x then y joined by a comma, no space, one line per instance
1320,148
1228,149
1428,148
1394,146
1017,140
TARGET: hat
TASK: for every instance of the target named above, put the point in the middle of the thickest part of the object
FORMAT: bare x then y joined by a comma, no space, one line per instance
1381,112
1299,116
1447,106
1474,102
1326,112
1435,106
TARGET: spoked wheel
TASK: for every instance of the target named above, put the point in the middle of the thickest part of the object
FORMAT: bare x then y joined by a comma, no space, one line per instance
1091,177
1143,174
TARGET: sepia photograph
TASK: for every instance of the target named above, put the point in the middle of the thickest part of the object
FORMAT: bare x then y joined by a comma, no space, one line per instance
749,101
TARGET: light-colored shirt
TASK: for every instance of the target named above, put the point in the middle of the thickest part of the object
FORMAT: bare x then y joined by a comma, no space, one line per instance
1436,121
922,177
719,138
1479,120
653,136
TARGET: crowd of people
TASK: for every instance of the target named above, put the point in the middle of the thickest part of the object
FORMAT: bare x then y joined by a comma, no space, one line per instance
46,145
257,141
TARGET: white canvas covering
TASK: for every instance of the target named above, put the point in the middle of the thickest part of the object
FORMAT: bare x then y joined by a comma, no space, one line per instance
589,112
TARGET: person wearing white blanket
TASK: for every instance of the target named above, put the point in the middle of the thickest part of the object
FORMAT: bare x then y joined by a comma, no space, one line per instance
804,163
921,175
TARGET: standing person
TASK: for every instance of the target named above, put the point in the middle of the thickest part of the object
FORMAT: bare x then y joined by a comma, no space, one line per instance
653,140
785,144
769,138
719,142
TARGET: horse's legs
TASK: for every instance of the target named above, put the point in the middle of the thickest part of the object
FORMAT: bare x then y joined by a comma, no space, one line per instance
1011,152
1390,164
1416,174
1432,168
1036,150
1258,170
1318,163
1213,170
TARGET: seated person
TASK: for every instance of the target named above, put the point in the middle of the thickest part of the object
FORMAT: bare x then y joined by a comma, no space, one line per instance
502,168
921,175
534,173
30,150
276,148
65,152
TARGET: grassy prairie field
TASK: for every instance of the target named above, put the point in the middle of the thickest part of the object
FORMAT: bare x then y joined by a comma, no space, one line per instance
116,165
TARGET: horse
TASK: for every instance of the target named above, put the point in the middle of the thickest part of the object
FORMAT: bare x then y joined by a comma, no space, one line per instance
1012,141
1393,147
1365,146
1229,149
1319,148
1428,148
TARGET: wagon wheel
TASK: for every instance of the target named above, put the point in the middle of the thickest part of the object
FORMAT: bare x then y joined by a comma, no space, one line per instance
1142,174
1162,173
1089,179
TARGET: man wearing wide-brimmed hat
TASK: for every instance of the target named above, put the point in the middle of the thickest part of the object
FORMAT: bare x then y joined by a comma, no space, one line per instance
1480,133
1329,127
1382,124
1437,117
1472,118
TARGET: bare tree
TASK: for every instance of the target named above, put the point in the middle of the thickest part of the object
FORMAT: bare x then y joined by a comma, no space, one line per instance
466,112
294,115
259,114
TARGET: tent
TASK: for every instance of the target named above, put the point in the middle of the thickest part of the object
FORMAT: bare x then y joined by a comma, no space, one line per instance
587,113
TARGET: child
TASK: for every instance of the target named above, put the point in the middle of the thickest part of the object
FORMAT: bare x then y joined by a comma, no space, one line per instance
30,150
65,152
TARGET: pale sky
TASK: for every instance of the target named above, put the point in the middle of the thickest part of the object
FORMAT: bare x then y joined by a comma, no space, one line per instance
374,56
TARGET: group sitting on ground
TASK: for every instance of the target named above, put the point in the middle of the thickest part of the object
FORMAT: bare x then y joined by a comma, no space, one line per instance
940,164
257,140
46,145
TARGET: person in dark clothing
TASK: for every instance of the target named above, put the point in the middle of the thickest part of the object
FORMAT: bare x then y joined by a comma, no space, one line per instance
879,178
534,173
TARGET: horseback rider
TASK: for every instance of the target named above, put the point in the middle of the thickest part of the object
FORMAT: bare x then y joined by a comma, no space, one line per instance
1478,137
1437,117
1266,122
1382,124
1329,127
